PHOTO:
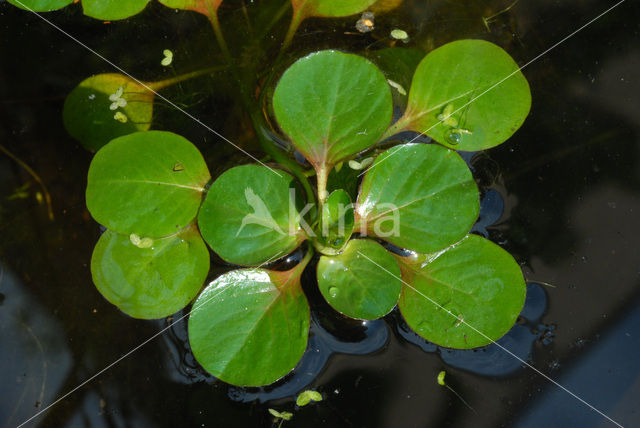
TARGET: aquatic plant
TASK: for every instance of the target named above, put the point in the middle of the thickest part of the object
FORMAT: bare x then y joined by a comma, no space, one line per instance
400,237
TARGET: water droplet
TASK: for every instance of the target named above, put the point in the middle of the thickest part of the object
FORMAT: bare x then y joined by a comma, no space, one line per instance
337,243
453,137
333,292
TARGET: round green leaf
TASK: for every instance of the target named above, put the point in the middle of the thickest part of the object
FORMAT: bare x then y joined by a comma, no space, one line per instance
112,9
151,282
478,287
336,222
450,77
332,105
205,7
362,282
40,5
146,183
331,8
90,120
418,196
249,327
250,215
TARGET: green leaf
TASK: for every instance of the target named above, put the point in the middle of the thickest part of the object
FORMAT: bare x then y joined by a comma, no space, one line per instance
331,8
146,183
398,65
281,415
332,105
344,178
453,75
89,119
336,222
250,215
205,7
362,282
41,5
112,9
307,396
418,196
249,327
152,282
478,287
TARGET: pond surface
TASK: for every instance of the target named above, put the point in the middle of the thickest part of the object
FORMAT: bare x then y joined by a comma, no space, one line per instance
562,196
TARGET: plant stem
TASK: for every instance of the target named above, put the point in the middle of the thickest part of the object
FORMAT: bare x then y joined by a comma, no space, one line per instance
322,175
47,196
296,20
278,155
275,18
399,126
215,23
305,260
157,86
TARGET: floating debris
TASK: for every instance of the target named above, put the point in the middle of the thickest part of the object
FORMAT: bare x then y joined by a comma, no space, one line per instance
168,58
140,242
308,396
355,165
446,116
117,100
121,117
399,34
398,87
283,416
441,382
366,22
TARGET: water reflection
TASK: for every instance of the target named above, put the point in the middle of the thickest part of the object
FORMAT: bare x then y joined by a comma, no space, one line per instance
491,360
34,361
361,337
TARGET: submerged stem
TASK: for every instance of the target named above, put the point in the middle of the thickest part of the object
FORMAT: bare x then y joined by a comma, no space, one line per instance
47,196
278,155
296,20
215,23
157,86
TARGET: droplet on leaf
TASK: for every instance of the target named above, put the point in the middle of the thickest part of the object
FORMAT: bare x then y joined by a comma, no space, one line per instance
453,137
333,292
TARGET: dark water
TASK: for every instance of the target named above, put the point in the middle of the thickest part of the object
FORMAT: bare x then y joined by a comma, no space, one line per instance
563,196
